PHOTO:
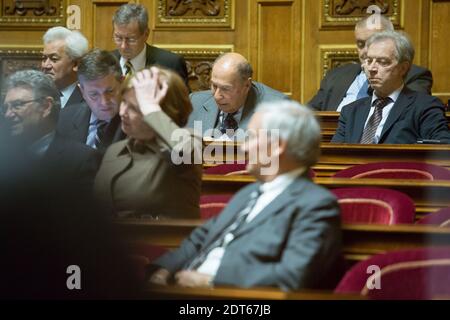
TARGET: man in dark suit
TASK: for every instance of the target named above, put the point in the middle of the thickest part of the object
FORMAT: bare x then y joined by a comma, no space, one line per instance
232,99
63,49
130,24
348,83
282,231
31,109
394,114
96,122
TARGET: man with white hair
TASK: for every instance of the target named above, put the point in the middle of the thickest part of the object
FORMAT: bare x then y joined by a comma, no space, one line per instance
395,113
63,49
282,231
348,83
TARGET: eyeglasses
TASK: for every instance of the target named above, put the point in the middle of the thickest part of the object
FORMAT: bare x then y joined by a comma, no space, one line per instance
16,105
119,40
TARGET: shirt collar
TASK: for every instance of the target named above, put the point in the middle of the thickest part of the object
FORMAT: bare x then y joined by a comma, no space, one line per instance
67,91
282,181
138,62
394,95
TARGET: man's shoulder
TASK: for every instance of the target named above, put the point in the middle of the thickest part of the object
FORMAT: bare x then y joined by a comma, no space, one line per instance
422,99
267,92
344,69
200,97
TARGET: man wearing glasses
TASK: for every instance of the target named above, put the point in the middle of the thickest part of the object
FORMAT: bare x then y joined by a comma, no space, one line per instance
30,111
130,33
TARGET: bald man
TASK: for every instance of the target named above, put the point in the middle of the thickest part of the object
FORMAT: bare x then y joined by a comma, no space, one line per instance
232,99
348,83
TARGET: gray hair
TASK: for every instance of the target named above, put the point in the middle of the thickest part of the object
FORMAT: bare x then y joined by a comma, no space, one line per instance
76,44
297,126
41,85
131,12
383,24
243,69
98,64
404,50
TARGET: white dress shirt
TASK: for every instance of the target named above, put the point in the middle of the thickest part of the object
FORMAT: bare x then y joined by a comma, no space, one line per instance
270,190
66,93
386,110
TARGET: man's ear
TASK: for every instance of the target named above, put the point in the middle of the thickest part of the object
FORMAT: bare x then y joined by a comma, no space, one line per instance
47,106
278,147
404,67
75,66
146,34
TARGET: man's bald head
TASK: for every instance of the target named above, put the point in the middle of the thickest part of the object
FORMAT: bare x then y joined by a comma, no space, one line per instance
367,27
230,81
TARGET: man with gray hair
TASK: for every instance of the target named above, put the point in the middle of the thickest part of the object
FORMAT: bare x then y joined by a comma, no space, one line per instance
281,231
348,83
31,108
395,113
130,34
63,49
232,99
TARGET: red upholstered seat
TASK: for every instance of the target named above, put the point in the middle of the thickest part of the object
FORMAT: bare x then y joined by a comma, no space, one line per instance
236,169
408,274
212,204
395,170
227,169
440,218
374,206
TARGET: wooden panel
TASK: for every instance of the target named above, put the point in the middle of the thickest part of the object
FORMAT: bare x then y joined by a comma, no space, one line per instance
102,22
28,14
194,13
439,49
275,37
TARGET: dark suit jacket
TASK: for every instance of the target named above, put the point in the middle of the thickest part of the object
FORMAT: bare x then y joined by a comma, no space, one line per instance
207,111
293,243
75,98
164,58
73,123
71,162
334,86
415,115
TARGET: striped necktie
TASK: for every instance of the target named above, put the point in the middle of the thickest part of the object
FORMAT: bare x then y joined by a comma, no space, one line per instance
372,125
99,141
129,70
227,234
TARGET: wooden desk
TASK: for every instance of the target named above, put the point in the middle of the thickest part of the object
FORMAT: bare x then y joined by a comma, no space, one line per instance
335,157
228,293
428,196
329,123
360,241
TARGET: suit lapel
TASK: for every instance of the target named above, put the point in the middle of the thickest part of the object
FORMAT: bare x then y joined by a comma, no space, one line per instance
209,117
279,203
81,121
361,113
75,97
404,100
149,56
249,106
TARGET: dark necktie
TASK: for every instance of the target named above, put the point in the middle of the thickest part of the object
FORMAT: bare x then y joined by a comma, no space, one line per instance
227,234
100,135
228,123
372,125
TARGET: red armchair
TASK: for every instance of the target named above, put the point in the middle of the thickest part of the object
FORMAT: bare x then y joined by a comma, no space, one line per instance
374,205
440,218
395,170
212,204
408,274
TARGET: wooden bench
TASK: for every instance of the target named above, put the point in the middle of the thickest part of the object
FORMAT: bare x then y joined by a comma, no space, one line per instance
360,241
428,196
228,293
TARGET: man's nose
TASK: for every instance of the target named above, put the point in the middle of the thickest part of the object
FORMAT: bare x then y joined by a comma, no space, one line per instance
46,64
